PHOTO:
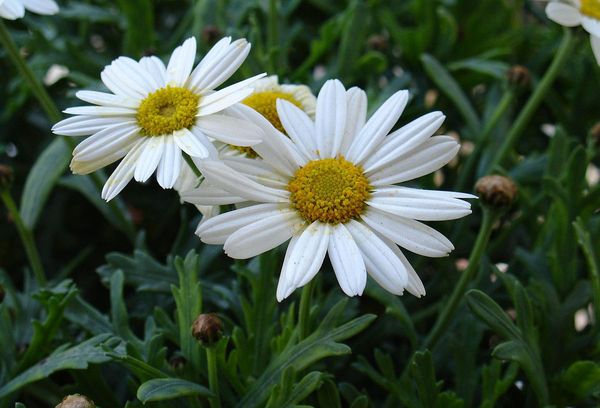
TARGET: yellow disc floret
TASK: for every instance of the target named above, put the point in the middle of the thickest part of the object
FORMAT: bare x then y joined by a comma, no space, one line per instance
591,8
166,110
329,190
265,104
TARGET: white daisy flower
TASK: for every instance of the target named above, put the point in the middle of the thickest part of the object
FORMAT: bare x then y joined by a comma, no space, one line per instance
155,113
331,188
571,13
14,9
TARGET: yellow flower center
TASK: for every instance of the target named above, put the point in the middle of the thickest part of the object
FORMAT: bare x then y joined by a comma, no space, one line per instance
265,104
166,110
329,190
591,8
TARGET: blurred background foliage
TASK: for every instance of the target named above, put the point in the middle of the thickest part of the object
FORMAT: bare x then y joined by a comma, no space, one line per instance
114,322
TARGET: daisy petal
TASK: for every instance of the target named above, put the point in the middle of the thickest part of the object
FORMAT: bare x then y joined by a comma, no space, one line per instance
233,94
216,67
262,235
87,125
12,9
563,14
258,171
299,128
137,76
107,99
79,166
216,230
123,173
157,70
432,209
591,25
181,63
409,234
347,261
377,127
381,262
44,7
189,143
230,130
149,159
330,119
356,100
169,166
303,258
100,111
106,141
596,47
427,158
209,195
414,284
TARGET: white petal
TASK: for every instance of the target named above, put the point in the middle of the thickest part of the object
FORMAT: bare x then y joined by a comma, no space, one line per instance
596,47
591,25
262,235
414,284
209,195
381,262
232,94
563,14
347,261
330,118
45,7
87,125
299,128
356,101
157,70
12,9
100,111
111,155
106,99
190,143
258,171
123,173
377,127
409,234
136,75
395,191
230,130
150,157
220,175
120,82
423,209
170,164
216,67
181,63
105,141
216,230
403,140
427,158
303,258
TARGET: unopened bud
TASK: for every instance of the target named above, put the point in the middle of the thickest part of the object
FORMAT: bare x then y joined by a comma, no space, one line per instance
207,329
76,401
518,76
6,177
210,33
496,191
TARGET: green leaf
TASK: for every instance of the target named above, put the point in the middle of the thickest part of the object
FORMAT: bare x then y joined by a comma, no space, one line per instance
161,389
329,395
448,85
492,314
141,271
582,379
495,69
424,376
74,358
41,179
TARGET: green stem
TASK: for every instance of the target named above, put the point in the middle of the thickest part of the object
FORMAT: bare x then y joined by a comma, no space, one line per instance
585,242
273,35
535,99
468,170
304,310
26,238
192,165
457,295
213,379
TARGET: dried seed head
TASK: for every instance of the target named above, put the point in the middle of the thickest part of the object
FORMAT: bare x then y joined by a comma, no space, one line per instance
518,76
6,177
496,191
207,329
76,401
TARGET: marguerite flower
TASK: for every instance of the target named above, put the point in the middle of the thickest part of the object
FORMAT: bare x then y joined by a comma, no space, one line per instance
331,188
571,13
14,9
155,113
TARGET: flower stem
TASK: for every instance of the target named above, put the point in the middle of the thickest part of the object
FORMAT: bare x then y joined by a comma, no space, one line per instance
192,165
445,317
213,379
26,238
304,310
535,99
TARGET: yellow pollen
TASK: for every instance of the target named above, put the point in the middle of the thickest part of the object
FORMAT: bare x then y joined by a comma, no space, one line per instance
166,110
265,104
591,8
329,190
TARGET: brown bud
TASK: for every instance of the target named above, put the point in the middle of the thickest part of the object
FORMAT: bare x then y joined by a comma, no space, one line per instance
207,329
595,133
76,401
210,34
378,42
518,76
496,191
6,177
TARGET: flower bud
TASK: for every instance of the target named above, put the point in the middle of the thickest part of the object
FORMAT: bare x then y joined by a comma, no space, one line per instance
6,177
496,191
207,329
518,76
76,401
